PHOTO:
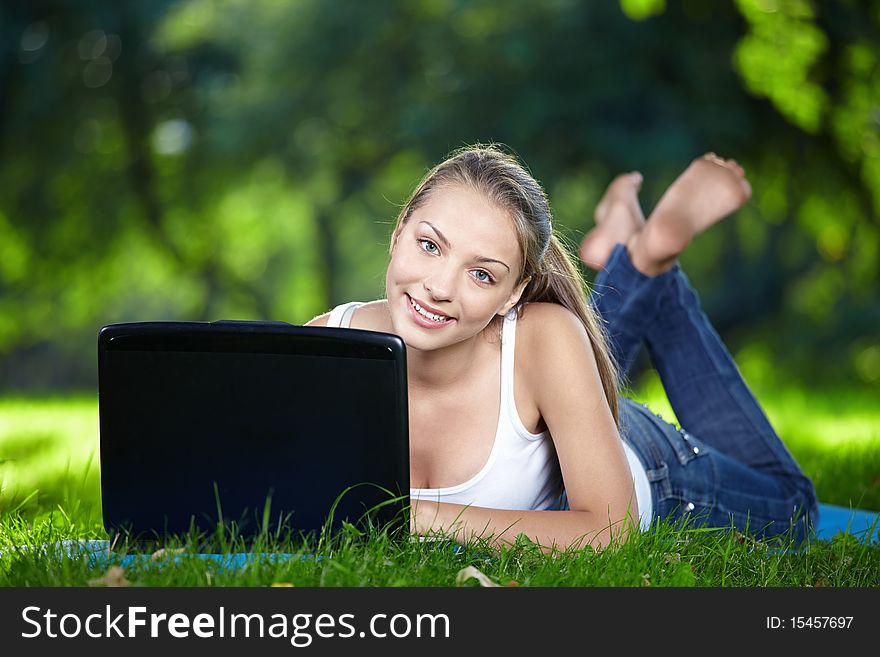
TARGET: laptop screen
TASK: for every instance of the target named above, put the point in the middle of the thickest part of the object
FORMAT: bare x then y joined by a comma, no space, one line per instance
203,421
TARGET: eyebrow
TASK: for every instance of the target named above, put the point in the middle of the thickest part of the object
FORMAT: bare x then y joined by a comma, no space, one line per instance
446,243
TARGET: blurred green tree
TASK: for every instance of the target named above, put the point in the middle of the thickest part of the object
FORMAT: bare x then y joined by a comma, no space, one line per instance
203,159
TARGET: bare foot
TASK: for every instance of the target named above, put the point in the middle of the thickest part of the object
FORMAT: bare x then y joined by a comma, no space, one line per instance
710,189
618,216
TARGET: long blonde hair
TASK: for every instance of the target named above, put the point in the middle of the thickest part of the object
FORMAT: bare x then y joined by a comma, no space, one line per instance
549,266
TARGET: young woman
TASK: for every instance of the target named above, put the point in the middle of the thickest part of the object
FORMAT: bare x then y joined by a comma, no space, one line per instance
515,421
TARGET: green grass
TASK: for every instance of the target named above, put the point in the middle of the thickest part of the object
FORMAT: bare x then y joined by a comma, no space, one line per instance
49,457
669,556
50,491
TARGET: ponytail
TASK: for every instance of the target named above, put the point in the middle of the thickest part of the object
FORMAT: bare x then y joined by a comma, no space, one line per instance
560,282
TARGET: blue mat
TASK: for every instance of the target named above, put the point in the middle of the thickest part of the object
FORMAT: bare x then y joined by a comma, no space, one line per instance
100,556
864,525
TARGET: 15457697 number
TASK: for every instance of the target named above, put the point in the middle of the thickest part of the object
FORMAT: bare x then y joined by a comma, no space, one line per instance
819,622
809,622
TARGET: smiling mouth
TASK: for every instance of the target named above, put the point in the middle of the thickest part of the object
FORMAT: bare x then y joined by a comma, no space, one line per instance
434,317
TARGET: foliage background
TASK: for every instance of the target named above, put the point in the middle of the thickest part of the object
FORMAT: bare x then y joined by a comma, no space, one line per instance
243,159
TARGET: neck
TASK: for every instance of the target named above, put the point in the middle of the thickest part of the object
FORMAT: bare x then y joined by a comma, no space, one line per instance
443,368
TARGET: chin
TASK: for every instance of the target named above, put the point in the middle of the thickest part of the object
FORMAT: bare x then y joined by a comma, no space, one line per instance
414,339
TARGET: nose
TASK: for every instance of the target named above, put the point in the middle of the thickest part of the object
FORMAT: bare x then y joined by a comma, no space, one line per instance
441,283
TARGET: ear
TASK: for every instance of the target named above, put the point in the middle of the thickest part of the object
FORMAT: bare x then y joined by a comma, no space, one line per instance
514,297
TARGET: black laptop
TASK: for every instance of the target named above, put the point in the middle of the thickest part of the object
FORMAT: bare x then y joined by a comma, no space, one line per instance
259,425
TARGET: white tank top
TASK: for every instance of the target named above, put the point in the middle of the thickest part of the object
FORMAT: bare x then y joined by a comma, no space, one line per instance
522,471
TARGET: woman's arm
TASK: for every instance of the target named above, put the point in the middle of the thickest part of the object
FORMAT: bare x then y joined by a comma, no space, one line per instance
563,378
549,529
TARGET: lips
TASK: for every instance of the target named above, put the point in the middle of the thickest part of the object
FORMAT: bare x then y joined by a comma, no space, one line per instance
430,309
427,321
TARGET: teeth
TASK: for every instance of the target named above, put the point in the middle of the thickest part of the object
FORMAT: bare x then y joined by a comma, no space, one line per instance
425,313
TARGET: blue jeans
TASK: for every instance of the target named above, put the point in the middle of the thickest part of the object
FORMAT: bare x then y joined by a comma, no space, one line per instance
726,466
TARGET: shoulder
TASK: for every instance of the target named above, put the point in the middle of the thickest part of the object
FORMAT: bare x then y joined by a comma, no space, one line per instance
551,344
320,320
541,325
371,316
546,311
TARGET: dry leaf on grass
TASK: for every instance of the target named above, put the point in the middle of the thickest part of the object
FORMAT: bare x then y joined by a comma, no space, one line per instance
281,585
466,573
166,552
115,576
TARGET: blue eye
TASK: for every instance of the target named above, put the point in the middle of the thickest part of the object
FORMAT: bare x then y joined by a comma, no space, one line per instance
428,246
482,276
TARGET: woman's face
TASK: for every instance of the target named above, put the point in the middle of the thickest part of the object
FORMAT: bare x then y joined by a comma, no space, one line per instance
454,266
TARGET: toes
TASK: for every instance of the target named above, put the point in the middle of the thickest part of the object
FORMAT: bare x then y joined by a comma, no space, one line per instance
736,167
633,178
730,164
